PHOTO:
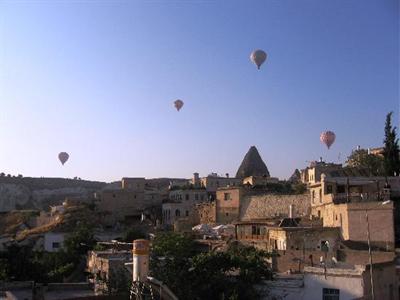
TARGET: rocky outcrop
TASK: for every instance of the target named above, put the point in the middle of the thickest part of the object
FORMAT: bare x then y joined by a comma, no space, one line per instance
40,193
252,165
295,178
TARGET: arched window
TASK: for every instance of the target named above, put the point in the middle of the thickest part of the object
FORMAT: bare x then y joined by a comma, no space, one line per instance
187,213
177,213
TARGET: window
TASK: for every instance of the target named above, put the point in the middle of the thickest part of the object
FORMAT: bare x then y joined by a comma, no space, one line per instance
319,214
177,213
187,213
341,189
320,195
56,245
196,197
330,294
202,197
329,189
226,214
113,195
313,196
227,196
186,197
255,230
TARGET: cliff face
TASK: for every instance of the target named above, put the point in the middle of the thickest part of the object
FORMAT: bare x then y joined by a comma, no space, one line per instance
40,193
252,165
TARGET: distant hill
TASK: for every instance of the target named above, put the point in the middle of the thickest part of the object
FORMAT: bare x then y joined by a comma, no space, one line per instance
40,193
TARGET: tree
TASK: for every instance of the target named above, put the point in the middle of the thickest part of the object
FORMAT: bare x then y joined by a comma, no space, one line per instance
213,275
79,242
4,270
360,158
391,148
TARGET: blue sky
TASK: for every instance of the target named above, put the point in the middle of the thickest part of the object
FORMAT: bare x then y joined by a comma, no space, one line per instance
97,79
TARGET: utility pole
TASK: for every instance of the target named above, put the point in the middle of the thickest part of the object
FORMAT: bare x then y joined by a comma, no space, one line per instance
370,257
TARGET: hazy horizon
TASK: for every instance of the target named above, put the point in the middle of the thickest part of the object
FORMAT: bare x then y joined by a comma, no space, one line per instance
98,80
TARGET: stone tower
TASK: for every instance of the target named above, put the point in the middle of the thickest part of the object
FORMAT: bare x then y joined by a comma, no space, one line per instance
252,165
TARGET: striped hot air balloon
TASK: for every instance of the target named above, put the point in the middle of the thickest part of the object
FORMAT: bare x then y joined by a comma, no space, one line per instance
328,138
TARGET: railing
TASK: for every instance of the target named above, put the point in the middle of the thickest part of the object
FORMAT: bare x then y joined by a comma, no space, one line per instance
360,197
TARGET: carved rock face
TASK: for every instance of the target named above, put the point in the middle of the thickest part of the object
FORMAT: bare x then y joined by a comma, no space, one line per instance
252,165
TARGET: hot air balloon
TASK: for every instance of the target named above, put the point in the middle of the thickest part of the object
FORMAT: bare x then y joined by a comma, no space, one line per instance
178,104
63,157
327,138
258,57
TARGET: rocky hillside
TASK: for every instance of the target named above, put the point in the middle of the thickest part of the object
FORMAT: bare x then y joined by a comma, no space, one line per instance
40,193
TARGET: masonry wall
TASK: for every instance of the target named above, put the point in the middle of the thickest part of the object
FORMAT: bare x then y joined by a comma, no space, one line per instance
361,257
123,203
385,282
269,205
381,223
227,210
296,260
204,213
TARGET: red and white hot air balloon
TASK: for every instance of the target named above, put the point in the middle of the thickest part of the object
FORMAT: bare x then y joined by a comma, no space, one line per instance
178,104
328,138
63,157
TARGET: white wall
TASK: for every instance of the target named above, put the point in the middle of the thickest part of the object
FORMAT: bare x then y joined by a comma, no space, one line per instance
350,287
50,238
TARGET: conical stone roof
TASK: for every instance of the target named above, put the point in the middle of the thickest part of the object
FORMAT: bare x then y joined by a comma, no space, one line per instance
252,165
296,176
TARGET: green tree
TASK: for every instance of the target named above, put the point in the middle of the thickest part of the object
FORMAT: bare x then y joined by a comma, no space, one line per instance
391,148
79,242
4,270
360,158
214,275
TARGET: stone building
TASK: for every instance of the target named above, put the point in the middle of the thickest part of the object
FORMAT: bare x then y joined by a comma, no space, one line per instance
227,204
344,203
259,180
239,203
181,204
129,201
312,174
213,181
106,267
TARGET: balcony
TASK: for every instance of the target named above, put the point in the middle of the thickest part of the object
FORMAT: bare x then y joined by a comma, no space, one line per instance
360,197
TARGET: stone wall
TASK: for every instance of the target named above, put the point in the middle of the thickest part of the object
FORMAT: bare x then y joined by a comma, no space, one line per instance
270,205
204,213
361,257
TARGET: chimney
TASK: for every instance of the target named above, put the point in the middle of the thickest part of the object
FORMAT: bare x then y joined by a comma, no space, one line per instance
196,180
140,257
291,206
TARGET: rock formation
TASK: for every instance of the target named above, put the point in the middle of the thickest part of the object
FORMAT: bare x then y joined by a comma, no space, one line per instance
252,165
